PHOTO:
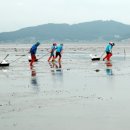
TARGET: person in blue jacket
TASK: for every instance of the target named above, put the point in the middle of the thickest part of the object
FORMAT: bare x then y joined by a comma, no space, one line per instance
108,51
59,51
33,52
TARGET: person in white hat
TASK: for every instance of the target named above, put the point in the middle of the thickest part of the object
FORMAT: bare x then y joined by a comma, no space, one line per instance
108,51
53,48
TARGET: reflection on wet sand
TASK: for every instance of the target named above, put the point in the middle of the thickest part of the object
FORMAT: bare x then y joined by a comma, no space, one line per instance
57,73
4,70
54,64
34,81
109,68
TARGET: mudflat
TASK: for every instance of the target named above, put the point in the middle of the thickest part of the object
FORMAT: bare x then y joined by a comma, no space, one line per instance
78,94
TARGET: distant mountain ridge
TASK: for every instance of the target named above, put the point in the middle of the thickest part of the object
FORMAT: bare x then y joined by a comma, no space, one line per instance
87,31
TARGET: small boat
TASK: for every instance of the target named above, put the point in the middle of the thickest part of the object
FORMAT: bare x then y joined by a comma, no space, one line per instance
94,57
4,63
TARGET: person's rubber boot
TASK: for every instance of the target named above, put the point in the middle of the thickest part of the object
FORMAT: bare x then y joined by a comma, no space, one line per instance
105,57
31,63
108,58
49,59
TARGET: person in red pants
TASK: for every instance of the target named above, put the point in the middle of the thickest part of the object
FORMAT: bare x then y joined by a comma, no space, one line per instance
108,51
33,53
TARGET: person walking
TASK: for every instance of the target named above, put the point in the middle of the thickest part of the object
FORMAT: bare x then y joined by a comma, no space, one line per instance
53,48
59,51
108,51
33,50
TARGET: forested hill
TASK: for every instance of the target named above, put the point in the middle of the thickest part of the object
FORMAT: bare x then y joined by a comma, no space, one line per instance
87,31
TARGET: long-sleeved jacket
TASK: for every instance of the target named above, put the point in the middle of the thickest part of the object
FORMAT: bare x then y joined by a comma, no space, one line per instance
34,48
108,48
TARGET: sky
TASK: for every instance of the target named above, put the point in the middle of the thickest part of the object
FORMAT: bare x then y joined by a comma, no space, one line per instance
17,14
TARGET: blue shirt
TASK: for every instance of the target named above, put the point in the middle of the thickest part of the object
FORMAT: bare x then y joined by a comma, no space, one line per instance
59,48
33,49
108,48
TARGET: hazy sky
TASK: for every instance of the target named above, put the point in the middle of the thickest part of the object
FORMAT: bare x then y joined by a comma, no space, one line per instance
16,14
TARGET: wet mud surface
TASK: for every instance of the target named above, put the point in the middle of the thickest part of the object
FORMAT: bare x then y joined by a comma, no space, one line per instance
76,94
